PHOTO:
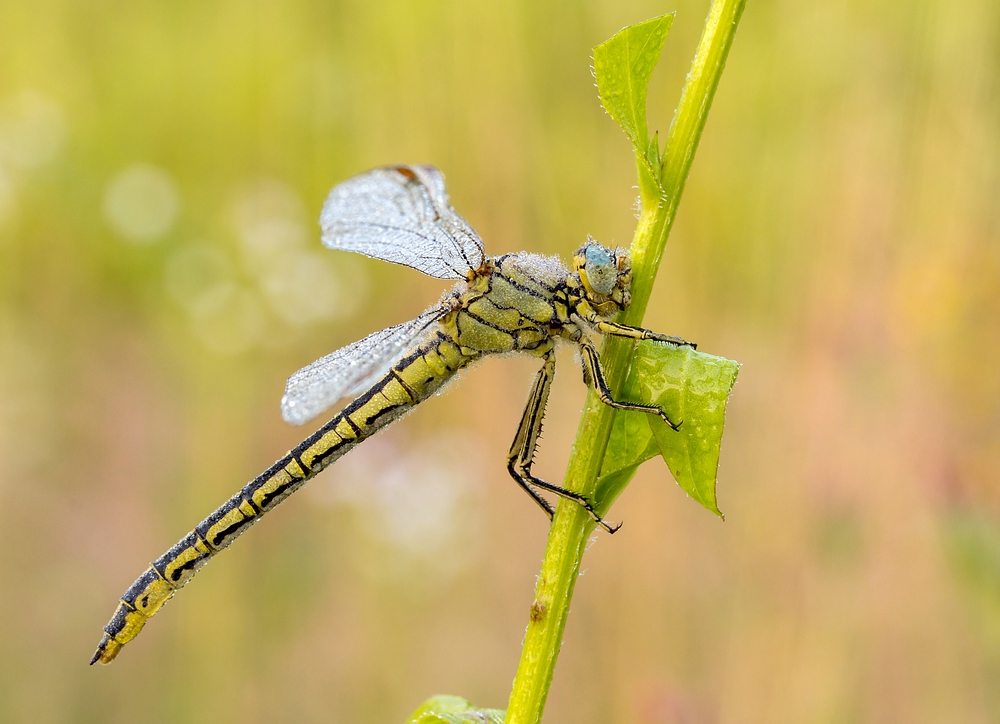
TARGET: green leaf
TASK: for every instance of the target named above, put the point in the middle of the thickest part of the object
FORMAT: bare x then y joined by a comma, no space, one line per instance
631,441
692,388
622,67
445,709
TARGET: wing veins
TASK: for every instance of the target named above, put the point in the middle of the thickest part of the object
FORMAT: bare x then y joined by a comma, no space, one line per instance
414,223
352,368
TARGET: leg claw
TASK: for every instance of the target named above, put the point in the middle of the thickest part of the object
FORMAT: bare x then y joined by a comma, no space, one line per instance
675,427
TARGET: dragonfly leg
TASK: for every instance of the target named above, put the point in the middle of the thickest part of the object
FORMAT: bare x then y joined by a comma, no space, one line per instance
522,449
592,370
623,330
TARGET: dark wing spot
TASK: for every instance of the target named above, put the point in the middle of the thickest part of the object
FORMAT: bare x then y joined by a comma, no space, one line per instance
407,172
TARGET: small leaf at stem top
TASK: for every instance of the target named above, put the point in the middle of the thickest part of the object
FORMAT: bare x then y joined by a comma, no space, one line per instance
622,67
445,709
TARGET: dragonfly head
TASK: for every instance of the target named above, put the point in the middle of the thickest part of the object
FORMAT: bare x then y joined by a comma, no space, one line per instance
606,275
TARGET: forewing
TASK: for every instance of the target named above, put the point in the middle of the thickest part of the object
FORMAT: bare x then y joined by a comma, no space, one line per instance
351,369
402,214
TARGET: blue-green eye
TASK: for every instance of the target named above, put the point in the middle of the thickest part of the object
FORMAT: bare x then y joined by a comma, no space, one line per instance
596,255
602,272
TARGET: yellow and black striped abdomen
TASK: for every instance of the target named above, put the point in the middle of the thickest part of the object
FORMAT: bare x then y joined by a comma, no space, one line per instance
411,380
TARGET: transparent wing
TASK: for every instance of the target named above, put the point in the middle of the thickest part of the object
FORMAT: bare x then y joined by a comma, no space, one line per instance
402,214
351,369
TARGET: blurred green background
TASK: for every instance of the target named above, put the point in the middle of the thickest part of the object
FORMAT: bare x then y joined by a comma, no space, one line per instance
162,166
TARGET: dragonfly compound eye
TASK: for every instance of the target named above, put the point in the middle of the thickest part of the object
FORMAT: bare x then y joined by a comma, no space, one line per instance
601,268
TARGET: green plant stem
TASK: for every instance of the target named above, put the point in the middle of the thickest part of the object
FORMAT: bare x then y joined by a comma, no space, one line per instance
571,527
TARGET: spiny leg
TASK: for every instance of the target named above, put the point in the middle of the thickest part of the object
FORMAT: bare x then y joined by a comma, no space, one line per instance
623,330
593,372
522,449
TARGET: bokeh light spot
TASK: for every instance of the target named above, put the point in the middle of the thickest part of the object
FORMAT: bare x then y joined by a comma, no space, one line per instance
418,506
302,288
8,202
266,199
32,129
234,327
200,278
269,240
142,203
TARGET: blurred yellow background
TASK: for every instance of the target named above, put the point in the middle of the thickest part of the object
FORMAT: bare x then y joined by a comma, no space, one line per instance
162,167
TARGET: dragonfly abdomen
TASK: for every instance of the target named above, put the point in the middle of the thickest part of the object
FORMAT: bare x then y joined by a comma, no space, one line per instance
413,379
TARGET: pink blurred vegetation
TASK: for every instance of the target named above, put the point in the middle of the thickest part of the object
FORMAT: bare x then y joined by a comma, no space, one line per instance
162,166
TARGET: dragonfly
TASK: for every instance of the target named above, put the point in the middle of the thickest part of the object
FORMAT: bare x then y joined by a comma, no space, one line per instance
514,303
